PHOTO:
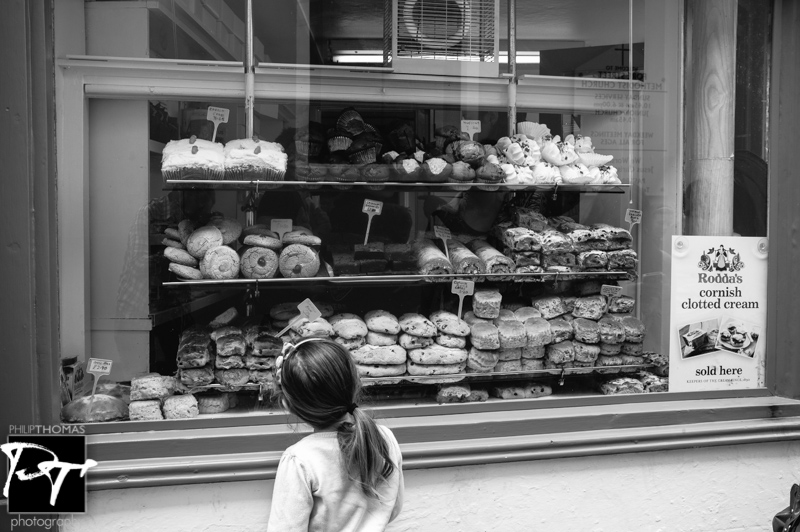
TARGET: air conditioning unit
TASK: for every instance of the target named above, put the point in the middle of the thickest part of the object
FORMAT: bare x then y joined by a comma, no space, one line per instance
444,37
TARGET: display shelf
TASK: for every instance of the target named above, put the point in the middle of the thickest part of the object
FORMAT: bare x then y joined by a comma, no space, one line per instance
404,279
557,372
176,184
169,314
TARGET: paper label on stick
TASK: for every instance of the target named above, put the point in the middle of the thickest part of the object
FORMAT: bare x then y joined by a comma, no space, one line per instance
281,226
610,290
463,288
372,207
633,216
218,115
471,127
308,310
442,232
99,366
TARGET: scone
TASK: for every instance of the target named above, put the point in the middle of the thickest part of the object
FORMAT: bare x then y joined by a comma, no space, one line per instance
417,324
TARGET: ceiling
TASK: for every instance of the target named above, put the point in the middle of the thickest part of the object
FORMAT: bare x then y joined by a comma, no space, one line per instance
304,31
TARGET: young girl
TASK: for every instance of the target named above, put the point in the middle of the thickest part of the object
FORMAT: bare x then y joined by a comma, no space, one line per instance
347,475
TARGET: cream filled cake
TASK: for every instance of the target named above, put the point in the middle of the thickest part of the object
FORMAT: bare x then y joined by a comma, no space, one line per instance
192,158
247,159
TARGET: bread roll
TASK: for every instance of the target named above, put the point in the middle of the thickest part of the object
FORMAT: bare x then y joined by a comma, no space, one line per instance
485,336
486,303
512,334
561,330
538,332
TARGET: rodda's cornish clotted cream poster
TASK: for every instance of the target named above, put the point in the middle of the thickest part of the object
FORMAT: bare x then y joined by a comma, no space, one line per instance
718,313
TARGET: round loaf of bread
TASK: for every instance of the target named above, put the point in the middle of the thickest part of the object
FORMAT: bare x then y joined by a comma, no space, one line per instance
632,349
634,328
203,239
436,354
538,331
449,323
586,352
263,241
586,331
512,334
180,256
259,263
482,361
212,403
230,229
180,407
505,315
221,262
383,370
485,336
435,369
486,303
446,340
417,324
611,331
104,408
382,322
348,326
350,344
561,329
185,272
297,260
377,338
373,354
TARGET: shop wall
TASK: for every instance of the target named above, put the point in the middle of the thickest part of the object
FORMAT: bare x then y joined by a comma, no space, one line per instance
734,488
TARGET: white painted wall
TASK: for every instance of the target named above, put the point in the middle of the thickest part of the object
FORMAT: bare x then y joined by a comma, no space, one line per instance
721,489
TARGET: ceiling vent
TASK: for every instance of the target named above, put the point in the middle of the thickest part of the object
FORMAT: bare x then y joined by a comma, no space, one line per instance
444,37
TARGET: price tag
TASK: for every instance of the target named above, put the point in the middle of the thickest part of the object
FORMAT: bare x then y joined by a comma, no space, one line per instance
281,226
371,208
98,367
610,291
218,115
633,216
308,310
443,233
471,127
461,289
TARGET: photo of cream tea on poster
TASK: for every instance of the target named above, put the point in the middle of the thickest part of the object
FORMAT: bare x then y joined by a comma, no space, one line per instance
738,336
699,338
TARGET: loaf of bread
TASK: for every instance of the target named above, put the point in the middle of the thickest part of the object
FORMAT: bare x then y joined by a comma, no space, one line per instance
436,354
590,307
486,303
382,322
512,334
192,377
522,239
556,242
410,341
485,336
538,332
482,361
229,362
586,353
430,259
496,262
593,259
212,403
180,407
464,261
622,385
148,410
529,218
448,340
621,305
152,386
624,259
435,369
611,331
417,325
232,378
653,383
634,329
202,240
453,393
549,306
194,353
319,328
259,363
375,355
586,331
506,354
104,408
448,323
533,351
561,352
378,338
354,343
524,313
348,325
505,366
561,330
381,370
532,364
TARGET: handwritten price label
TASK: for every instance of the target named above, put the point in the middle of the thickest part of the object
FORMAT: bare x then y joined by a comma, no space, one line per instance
100,366
372,207
218,115
471,127
461,289
444,234
309,310
633,216
281,226
610,291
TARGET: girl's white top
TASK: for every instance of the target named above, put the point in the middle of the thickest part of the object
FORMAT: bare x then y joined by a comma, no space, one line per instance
314,493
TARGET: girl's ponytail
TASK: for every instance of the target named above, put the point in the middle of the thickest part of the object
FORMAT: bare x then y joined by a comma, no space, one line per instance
365,452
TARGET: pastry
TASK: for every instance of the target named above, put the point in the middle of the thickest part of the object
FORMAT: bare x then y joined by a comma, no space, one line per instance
624,259
634,329
230,344
453,393
485,336
232,378
449,323
610,349
431,260
319,328
192,158
221,262
263,241
254,159
592,259
632,349
653,383
373,355
104,408
185,272
611,331
382,321
301,237
496,262
344,264
259,263
203,239
355,343
229,362
259,363
152,386
621,305
348,326
417,324
622,385
378,338
437,354
266,378
180,407
522,239
297,260
464,261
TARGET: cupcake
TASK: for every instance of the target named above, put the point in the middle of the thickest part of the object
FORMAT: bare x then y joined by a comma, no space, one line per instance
437,170
375,173
389,157
462,174
338,140
407,170
350,174
193,158
315,172
445,135
363,150
350,122
309,140
470,152
254,159
402,139
337,162
489,176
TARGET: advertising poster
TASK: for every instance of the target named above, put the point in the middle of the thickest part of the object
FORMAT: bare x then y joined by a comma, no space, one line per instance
718,313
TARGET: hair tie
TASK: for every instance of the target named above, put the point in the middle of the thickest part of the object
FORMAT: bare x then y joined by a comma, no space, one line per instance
351,408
